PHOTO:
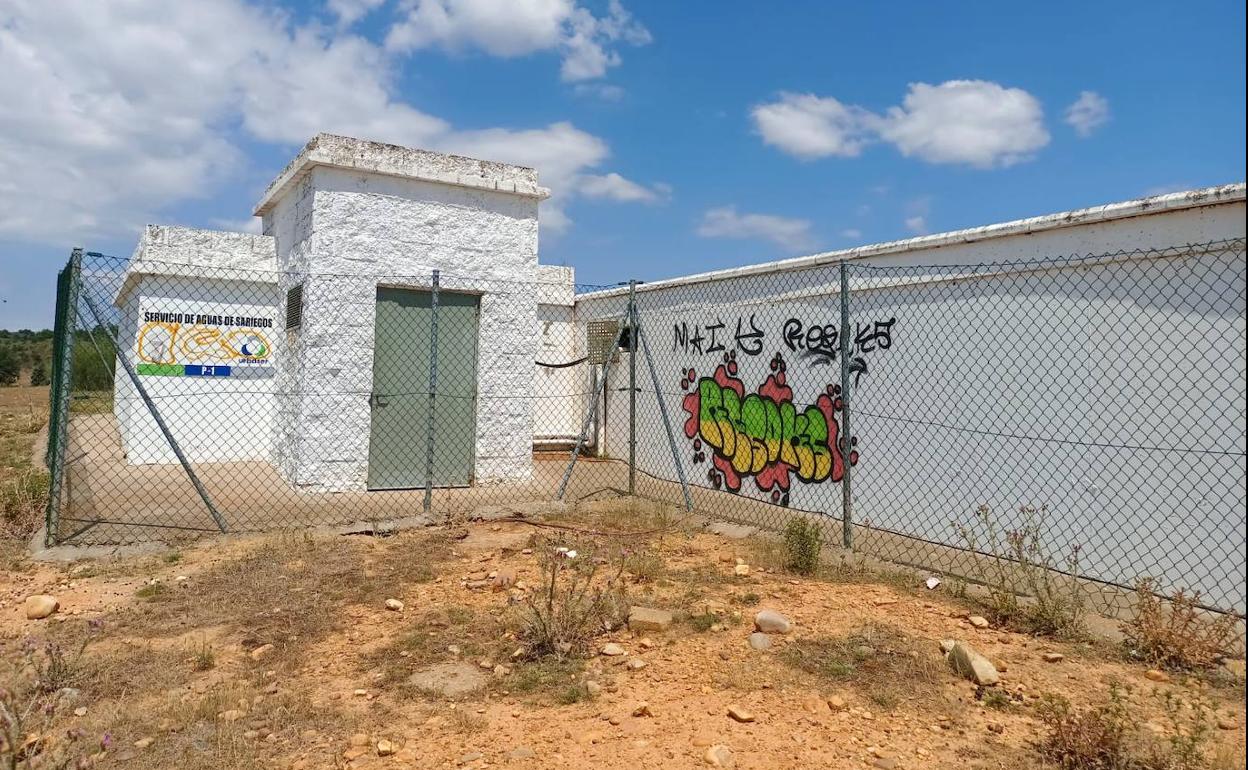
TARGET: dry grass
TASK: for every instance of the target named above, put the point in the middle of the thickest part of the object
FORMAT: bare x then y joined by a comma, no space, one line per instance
23,486
1174,633
880,661
1110,736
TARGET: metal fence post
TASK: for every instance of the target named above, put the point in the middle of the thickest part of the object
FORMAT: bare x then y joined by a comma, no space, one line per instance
632,388
61,382
847,489
433,387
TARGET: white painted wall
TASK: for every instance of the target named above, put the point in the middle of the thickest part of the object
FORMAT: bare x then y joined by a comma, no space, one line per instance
213,419
342,231
1098,353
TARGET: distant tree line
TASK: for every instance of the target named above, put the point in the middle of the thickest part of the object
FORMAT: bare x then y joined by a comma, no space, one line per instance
30,351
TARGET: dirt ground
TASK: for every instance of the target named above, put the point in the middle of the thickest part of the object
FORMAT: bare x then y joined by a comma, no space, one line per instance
279,651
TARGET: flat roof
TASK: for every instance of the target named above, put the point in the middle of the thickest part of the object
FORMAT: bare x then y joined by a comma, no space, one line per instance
1155,204
409,163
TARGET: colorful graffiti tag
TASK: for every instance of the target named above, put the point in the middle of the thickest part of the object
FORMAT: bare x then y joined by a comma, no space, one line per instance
764,435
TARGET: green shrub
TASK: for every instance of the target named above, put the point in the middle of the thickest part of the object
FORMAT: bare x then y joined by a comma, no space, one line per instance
802,543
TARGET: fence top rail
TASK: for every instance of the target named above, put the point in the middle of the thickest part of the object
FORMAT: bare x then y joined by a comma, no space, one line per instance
1206,196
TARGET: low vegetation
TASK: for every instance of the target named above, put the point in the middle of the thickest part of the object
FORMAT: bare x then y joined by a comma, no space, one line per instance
1027,588
1111,737
575,601
803,541
1172,632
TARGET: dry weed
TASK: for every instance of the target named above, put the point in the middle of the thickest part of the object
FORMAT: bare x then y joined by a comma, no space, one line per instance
1174,633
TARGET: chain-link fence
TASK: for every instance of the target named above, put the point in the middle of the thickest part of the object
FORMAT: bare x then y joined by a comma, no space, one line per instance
917,411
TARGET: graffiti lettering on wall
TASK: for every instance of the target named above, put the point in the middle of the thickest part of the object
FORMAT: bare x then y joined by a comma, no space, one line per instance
815,343
764,435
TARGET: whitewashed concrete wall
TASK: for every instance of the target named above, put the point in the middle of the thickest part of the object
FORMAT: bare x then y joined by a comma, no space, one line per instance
354,230
213,419
559,399
984,354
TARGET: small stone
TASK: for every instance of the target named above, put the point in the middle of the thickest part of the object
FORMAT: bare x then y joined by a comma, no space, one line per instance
501,670
143,743
642,710
837,703
1053,657
970,664
946,645
759,641
613,720
1156,675
884,602
885,763
739,714
41,606
394,605
469,758
612,650
718,755
592,687
1225,723
503,579
635,664
384,748
231,715
741,570
81,711
979,621
769,621
521,752
644,619
261,651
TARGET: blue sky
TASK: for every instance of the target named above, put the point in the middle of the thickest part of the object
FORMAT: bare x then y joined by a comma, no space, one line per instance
677,136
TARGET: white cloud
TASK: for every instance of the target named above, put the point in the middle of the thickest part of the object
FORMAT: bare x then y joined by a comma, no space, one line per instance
852,233
519,27
973,122
727,222
351,11
1088,113
251,225
970,122
614,187
810,126
114,112
916,224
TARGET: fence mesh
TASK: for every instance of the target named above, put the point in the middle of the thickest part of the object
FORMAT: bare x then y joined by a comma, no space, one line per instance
917,412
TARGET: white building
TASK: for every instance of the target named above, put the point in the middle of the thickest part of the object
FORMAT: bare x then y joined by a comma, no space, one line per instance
308,348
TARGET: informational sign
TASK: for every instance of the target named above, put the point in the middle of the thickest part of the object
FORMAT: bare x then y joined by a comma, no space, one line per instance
205,341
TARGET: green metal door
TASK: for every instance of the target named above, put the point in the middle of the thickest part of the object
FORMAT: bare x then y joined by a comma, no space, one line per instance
398,446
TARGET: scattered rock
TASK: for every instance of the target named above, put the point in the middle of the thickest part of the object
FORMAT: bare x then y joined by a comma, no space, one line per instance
718,755
261,651
41,606
979,621
884,602
885,763
450,680
740,714
469,758
1053,657
946,645
635,664
643,619
769,621
521,752
741,570
837,703
612,650
642,710
505,578
760,641
1225,723
231,715
394,605
592,687
970,664
384,748
143,743
1156,675
81,711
